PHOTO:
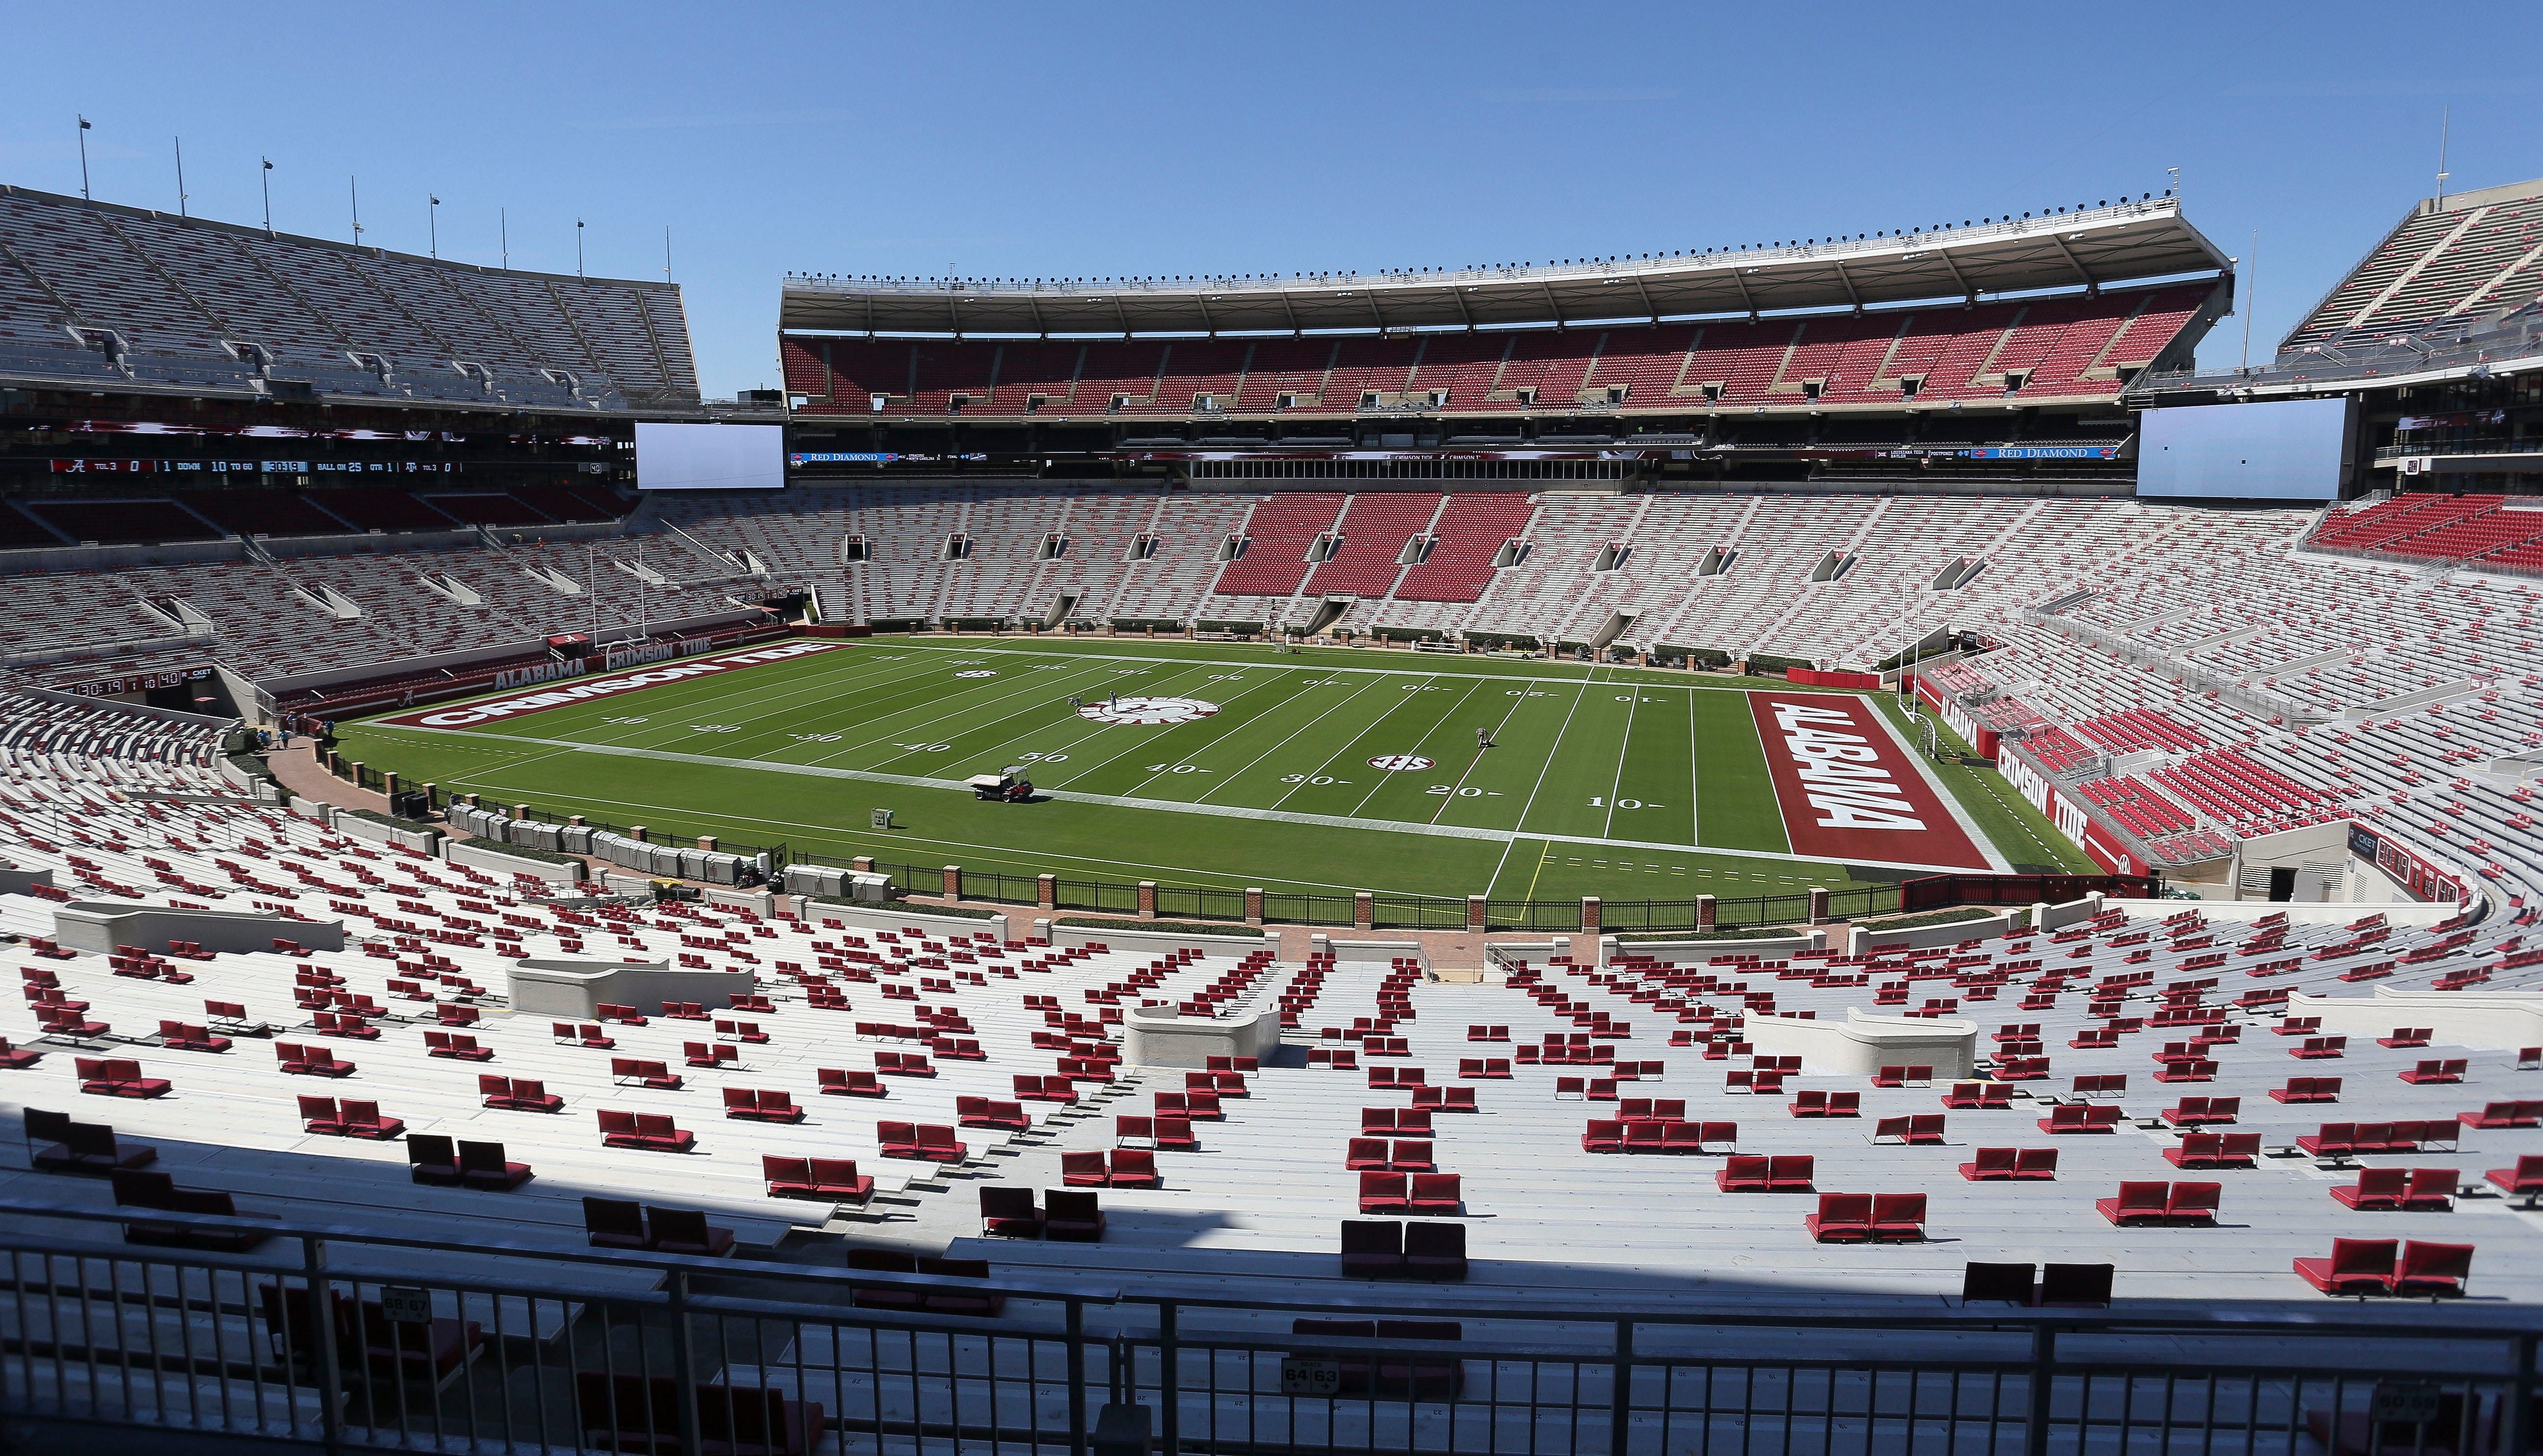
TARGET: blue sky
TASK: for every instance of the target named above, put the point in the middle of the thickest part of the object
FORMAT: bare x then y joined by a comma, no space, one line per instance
997,139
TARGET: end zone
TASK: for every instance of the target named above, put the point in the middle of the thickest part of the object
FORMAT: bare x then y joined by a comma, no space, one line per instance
1848,791
488,710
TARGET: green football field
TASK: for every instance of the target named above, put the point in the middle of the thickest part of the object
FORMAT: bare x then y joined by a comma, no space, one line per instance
1187,763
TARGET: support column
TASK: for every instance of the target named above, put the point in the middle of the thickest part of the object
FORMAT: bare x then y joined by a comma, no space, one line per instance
1046,892
953,882
1474,912
1147,900
862,864
1253,904
1707,908
707,842
1363,910
1588,912
1819,905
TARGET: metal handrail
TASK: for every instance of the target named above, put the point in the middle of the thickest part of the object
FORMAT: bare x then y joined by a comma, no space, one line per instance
2511,338
2433,1320
2232,689
2466,447
251,1348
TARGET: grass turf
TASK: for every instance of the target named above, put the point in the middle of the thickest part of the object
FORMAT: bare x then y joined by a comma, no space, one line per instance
1606,781
2020,833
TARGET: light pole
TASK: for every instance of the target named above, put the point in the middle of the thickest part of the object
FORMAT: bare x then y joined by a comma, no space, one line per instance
577,247
503,222
2445,128
265,179
355,188
2250,291
83,144
432,220
181,175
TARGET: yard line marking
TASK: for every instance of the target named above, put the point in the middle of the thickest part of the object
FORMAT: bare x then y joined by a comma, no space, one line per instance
1292,737
1345,749
875,697
1381,781
1624,751
799,694
911,652
1049,856
1472,764
1213,811
1092,729
1694,777
1005,748
1229,728
1679,685
1023,688
1500,864
1757,736
1130,746
675,699
1553,749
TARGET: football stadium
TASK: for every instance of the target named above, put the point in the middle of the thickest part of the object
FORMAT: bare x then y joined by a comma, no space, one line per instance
556,912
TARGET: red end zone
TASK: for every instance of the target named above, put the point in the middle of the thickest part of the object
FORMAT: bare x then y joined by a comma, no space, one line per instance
1847,789
586,690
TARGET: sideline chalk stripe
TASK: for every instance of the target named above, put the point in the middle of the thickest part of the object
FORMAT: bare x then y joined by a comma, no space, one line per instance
1845,789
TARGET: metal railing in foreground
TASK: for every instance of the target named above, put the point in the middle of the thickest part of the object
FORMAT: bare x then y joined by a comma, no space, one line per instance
319,1334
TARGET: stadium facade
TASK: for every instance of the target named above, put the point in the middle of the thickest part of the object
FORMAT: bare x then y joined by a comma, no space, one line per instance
1886,465
1991,352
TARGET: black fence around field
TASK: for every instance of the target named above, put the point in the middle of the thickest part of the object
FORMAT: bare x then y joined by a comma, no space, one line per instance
1937,891
1121,897
1445,913
657,830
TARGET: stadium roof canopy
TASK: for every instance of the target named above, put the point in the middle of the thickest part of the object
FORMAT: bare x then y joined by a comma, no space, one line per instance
2085,248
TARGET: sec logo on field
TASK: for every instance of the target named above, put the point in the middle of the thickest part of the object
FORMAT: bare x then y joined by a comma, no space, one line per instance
1397,763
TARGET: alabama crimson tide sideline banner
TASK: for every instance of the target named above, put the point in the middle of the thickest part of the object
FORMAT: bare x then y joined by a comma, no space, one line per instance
1847,789
468,714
